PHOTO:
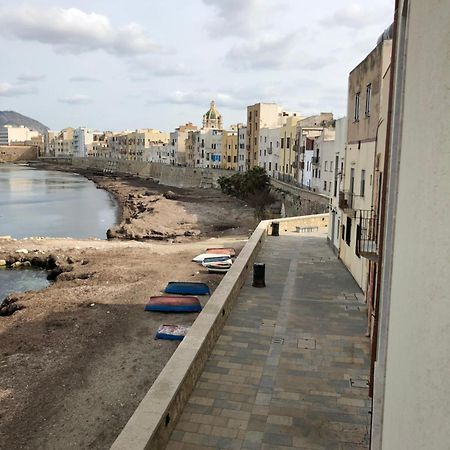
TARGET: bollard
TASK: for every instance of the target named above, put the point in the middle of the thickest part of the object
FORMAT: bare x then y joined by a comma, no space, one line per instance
275,228
259,275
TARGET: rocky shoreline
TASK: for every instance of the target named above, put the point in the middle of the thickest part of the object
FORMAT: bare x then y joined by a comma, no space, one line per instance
78,356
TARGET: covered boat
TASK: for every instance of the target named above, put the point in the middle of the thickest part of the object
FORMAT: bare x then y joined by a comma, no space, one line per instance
222,251
214,259
186,288
171,332
201,257
218,267
171,303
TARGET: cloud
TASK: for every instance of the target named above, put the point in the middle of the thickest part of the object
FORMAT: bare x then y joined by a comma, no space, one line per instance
74,31
77,99
266,53
150,67
201,98
14,90
356,16
83,79
240,18
28,77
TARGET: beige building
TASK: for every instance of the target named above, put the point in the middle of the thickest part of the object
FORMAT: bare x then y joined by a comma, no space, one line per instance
367,111
12,135
411,407
287,156
59,143
144,144
230,150
177,144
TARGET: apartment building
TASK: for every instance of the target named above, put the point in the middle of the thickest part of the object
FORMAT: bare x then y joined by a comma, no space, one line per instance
230,149
269,150
10,135
337,168
242,147
287,157
366,120
323,162
83,139
59,143
259,115
411,390
177,144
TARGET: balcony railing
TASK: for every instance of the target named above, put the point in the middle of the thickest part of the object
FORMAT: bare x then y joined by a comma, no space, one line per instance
346,201
367,240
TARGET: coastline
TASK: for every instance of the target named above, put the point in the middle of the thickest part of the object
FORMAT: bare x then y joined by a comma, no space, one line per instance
79,357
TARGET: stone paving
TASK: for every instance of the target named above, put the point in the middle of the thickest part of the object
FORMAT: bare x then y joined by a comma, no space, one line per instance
290,368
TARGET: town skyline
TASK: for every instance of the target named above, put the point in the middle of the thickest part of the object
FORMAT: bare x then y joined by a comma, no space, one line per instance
119,71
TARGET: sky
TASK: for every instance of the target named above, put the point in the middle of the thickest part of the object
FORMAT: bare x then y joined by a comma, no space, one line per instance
116,65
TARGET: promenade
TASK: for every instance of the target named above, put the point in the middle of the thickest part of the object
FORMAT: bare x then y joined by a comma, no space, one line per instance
290,368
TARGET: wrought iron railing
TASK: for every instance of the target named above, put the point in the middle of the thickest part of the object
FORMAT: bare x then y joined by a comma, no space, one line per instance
368,244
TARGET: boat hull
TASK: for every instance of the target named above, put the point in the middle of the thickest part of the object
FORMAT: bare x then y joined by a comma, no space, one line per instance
172,304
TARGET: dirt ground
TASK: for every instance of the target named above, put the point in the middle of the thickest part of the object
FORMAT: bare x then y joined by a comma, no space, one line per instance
77,360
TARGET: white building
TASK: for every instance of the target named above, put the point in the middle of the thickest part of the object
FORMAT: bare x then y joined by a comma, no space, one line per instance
323,162
338,167
242,150
82,141
10,134
207,152
269,149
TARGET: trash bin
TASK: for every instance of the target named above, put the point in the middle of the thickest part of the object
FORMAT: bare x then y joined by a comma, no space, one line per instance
275,228
259,275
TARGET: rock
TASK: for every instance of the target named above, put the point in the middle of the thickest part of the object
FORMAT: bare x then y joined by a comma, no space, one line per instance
128,220
130,196
189,233
84,262
9,306
170,195
2,262
54,273
26,264
17,264
111,233
52,262
70,260
39,261
22,250
10,260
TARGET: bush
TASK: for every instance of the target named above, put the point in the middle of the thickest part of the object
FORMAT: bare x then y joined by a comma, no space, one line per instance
252,186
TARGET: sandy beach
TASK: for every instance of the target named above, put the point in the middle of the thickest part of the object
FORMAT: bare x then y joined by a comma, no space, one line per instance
78,358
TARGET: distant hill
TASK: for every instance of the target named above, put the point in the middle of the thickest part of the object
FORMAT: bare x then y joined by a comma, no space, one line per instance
16,119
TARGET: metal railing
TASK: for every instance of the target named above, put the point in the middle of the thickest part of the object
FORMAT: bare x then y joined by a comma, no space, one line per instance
367,240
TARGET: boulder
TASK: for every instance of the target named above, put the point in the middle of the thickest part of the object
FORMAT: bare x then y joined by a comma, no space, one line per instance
2,262
170,195
22,250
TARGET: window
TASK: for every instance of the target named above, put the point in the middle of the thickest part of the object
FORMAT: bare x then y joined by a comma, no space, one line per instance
356,115
368,99
270,165
363,183
326,166
282,142
331,166
358,237
288,142
276,166
325,186
348,231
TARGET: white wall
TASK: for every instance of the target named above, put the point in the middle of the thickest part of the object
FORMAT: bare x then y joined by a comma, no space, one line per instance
413,363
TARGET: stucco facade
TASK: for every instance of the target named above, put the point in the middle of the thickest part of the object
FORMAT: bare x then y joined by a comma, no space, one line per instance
412,386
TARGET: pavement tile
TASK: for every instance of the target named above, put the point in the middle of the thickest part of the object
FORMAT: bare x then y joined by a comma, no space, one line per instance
279,375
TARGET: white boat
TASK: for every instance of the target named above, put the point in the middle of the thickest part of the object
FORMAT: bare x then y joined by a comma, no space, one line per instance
200,258
219,267
207,263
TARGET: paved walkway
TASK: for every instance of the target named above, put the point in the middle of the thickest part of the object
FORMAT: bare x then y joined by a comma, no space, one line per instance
290,368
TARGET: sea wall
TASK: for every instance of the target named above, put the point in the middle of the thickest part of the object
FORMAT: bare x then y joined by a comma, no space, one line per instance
183,177
16,153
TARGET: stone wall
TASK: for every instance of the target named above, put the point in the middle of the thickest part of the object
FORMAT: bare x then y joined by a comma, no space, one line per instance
183,177
298,201
16,153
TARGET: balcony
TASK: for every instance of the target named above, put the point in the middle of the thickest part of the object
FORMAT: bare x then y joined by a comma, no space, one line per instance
367,240
346,202
315,159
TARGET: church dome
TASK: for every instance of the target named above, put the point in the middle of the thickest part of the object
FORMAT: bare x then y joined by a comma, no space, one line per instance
212,118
